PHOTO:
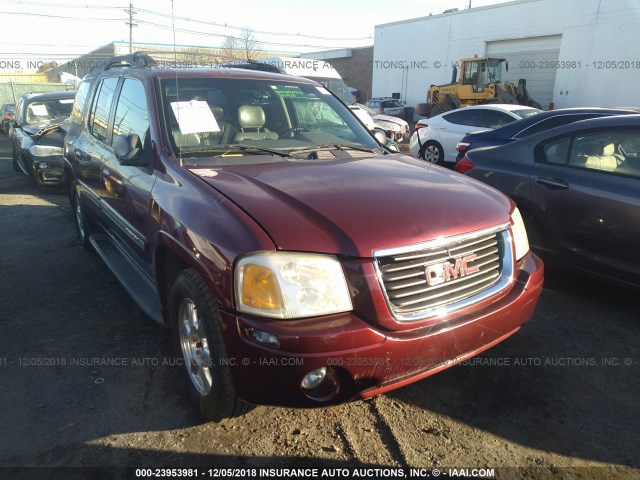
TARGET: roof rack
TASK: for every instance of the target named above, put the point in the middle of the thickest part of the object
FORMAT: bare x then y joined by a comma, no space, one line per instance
137,59
252,65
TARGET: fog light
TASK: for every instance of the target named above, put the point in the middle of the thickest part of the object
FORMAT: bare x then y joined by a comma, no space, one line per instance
264,337
43,165
313,379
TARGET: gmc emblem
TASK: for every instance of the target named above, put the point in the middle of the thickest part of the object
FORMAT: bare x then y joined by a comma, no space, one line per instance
439,273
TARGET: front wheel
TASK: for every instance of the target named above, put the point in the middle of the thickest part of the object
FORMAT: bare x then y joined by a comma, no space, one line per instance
81,221
432,152
197,337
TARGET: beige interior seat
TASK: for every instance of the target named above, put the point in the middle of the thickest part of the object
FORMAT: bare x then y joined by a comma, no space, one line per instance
607,161
251,120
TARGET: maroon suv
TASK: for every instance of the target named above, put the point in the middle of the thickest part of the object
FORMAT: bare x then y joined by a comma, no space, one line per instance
297,262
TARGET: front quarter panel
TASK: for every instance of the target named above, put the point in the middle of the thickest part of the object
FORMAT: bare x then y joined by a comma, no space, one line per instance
204,228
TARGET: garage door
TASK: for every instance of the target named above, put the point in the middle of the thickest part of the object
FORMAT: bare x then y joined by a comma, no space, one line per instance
531,58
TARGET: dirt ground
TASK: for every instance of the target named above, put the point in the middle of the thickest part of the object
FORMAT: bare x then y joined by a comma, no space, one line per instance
560,399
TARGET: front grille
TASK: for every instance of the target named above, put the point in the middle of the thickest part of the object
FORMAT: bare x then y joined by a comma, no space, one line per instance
460,269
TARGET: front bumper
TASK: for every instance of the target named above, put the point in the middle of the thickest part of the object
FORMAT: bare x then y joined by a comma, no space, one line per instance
52,174
363,359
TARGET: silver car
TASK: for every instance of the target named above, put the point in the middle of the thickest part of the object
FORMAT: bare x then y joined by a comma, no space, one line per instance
387,106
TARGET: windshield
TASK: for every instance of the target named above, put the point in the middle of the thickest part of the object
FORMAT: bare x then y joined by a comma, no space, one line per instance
338,87
223,116
490,72
48,111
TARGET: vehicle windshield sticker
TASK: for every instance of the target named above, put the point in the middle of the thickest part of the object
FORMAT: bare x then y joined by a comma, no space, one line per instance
39,110
287,91
323,91
194,117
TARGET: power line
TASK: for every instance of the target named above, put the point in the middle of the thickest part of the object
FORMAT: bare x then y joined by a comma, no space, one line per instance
46,15
262,32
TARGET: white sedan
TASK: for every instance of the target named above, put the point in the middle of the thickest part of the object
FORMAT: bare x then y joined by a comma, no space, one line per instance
434,139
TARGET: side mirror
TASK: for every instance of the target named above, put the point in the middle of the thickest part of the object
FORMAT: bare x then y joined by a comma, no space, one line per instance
380,136
393,146
127,148
506,66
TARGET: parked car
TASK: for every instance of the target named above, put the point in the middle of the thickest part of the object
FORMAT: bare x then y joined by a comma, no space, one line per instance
296,261
434,139
387,106
394,128
534,124
6,113
37,136
577,188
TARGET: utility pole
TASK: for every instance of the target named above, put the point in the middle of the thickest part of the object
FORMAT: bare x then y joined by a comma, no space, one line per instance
131,12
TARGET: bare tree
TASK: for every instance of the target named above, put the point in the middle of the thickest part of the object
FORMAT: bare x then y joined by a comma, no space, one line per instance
248,44
231,48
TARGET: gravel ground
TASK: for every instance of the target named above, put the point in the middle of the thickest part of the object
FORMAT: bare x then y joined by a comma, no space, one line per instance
557,400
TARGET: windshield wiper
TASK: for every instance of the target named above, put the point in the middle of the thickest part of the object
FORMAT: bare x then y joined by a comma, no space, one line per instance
234,147
333,147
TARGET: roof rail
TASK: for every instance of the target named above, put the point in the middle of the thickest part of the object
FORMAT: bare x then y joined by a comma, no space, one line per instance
252,65
137,59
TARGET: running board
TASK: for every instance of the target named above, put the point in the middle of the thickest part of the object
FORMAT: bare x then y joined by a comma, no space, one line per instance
130,276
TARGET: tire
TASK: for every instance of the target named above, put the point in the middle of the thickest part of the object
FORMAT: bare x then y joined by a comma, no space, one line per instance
432,152
80,220
441,107
197,338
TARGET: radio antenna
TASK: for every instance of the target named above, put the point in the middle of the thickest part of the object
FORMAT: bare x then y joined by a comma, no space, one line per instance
175,66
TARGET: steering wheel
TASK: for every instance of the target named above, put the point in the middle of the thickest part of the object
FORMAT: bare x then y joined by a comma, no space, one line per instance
291,132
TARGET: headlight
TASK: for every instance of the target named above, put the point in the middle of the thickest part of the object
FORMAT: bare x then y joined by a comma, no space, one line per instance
519,235
44,150
291,285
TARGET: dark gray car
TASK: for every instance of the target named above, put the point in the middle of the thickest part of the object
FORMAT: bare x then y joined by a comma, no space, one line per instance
578,188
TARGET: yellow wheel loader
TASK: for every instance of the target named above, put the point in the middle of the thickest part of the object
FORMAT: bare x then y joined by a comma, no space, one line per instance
480,82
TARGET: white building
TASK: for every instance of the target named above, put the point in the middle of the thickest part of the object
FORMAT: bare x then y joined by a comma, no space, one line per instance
571,52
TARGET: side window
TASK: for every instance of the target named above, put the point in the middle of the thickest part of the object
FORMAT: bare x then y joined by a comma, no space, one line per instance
608,151
131,111
495,119
465,117
18,113
556,152
81,99
470,73
99,117
550,123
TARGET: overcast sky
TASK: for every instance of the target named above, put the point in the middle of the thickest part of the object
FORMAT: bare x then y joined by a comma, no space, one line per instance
45,30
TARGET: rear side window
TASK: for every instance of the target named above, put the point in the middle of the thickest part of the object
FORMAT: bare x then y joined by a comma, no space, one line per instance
80,101
131,111
556,152
465,117
496,119
99,118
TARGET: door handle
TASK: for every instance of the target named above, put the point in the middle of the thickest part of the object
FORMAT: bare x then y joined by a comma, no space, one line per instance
555,183
80,155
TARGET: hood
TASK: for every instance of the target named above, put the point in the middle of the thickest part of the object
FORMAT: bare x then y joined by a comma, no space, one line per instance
389,118
353,207
45,128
